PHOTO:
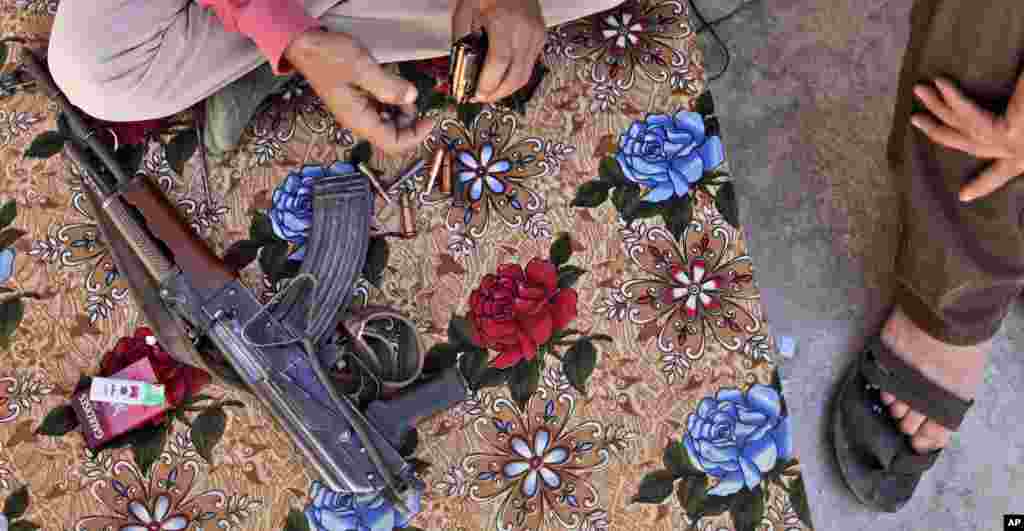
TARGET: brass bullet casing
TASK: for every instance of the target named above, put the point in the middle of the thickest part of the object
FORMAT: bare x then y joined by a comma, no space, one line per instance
465,64
436,163
407,215
374,183
447,170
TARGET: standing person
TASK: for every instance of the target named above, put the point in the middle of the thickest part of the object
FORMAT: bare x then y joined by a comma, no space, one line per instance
956,149
132,60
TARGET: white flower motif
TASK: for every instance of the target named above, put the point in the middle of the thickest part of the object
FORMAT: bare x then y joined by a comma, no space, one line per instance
621,30
606,95
38,6
596,521
680,79
471,406
460,246
632,232
4,474
203,216
454,482
615,307
693,287
266,150
538,226
181,445
535,463
17,122
22,121
341,135
673,366
555,379
95,465
46,250
155,520
475,173
156,166
98,306
559,151
758,347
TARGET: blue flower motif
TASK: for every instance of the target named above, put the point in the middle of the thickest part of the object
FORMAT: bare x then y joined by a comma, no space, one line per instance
668,153
6,265
737,437
476,173
292,212
334,511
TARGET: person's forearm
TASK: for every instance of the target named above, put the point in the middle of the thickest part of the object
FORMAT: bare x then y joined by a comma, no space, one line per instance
272,24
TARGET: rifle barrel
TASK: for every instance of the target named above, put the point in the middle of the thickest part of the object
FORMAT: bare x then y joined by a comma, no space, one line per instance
44,80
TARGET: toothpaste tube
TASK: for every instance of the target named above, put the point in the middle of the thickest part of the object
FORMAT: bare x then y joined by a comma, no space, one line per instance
130,392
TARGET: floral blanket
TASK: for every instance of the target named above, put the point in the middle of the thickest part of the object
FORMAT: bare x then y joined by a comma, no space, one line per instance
592,279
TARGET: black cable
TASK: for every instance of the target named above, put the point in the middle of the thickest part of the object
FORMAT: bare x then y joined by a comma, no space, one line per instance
710,26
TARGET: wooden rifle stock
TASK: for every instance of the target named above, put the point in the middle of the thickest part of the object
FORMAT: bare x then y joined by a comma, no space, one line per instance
204,270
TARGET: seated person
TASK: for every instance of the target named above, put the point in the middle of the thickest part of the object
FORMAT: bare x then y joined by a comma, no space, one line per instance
135,60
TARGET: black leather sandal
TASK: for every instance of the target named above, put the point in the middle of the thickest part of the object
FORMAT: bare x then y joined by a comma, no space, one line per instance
876,459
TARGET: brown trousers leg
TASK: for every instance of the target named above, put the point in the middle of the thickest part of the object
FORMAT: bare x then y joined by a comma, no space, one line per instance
961,265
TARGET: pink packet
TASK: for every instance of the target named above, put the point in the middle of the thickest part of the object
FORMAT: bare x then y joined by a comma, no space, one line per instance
103,421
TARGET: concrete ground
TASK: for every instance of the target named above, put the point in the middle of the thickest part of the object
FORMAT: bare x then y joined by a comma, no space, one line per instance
805,110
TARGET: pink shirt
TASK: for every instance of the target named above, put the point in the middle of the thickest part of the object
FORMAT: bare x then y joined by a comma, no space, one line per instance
271,24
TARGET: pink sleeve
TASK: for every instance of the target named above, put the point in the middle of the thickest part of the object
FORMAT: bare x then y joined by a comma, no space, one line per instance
271,24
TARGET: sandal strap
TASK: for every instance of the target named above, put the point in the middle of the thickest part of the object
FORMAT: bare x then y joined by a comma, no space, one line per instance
891,374
913,463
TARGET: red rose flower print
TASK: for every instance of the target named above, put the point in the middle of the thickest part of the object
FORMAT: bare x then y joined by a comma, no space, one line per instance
129,133
181,380
516,311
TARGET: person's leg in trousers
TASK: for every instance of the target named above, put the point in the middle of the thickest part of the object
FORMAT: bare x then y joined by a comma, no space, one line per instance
135,60
961,265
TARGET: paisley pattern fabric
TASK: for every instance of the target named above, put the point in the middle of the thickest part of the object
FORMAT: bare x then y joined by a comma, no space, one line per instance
675,296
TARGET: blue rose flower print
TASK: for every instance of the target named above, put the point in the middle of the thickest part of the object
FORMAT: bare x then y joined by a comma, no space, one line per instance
292,212
6,265
737,437
334,511
667,154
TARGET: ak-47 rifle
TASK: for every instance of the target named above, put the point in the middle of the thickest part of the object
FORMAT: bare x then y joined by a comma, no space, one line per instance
279,350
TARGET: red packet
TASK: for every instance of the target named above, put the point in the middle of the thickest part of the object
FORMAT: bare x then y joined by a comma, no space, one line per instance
103,421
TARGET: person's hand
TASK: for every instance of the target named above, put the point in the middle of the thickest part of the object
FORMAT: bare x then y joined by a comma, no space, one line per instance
515,33
354,88
959,123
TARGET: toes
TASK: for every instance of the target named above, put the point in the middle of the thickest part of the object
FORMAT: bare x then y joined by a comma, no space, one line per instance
923,445
898,410
911,422
934,432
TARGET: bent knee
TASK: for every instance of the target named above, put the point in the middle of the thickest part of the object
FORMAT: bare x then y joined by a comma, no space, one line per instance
76,58
558,12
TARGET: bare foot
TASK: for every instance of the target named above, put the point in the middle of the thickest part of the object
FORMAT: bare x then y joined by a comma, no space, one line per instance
958,369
